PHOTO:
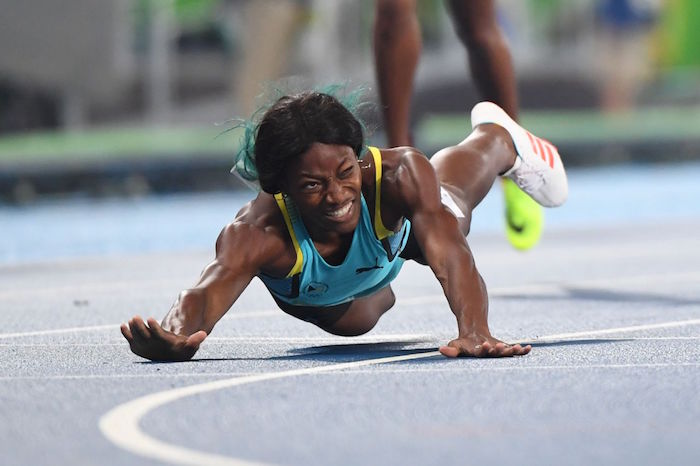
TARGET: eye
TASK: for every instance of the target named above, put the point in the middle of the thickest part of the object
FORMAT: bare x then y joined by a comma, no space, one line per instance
309,185
346,172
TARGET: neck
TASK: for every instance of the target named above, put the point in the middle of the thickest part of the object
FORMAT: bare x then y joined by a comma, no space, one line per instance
332,247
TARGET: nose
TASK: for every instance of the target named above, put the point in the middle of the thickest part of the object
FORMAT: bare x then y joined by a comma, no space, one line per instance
334,193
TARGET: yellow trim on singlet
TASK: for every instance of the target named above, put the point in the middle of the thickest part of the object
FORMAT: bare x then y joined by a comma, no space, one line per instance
288,221
379,227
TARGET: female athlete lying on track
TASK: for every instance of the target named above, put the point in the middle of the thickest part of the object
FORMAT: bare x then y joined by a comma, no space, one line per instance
336,220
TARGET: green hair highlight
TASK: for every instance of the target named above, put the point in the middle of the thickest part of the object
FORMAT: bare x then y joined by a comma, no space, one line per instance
244,157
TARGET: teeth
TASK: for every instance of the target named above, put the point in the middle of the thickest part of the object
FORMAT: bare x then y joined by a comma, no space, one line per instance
342,211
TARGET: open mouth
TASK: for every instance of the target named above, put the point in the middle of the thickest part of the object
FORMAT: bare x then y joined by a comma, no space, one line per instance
340,213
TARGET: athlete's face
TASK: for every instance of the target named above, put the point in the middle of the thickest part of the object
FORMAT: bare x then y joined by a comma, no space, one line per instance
325,183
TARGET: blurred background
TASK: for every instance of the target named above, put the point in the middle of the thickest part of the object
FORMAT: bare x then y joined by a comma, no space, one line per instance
109,104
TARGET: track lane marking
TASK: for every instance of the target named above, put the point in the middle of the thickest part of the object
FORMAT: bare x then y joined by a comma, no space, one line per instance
120,425
59,330
238,315
283,340
633,328
378,338
649,365
494,292
122,376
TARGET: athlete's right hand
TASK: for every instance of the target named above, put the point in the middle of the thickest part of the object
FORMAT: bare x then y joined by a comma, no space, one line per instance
153,342
482,346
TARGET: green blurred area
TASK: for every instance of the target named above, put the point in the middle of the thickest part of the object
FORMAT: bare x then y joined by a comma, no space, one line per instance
679,35
111,144
572,127
677,43
435,130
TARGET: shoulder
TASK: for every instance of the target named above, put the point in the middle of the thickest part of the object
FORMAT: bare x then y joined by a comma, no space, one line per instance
257,238
402,164
408,178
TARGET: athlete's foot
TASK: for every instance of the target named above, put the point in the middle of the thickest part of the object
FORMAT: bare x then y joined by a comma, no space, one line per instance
538,169
524,217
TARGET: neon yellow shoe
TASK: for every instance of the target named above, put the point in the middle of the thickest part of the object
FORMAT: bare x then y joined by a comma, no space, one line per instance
524,217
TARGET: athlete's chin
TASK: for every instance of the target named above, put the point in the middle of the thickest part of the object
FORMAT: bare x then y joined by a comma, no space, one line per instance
345,228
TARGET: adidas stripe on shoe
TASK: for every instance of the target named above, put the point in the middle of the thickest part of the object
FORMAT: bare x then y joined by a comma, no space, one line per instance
538,169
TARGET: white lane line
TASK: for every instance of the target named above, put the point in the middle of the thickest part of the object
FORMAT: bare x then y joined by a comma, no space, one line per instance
379,338
609,331
60,330
98,287
609,283
430,369
258,313
283,340
238,315
59,345
122,376
649,365
418,338
121,424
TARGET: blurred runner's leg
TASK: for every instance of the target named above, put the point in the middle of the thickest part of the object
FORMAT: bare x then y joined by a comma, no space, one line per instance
397,46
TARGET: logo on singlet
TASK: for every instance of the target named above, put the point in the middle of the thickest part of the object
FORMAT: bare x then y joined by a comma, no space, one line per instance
314,289
367,269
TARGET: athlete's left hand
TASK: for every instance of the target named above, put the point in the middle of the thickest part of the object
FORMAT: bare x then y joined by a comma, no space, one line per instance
152,342
482,346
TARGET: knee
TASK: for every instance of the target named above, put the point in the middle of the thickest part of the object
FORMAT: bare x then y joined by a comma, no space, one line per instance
350,331
354,329
389,299
396,8
484,36
354,324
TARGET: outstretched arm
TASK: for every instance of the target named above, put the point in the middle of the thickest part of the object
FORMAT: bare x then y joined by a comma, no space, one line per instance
448,255
197,310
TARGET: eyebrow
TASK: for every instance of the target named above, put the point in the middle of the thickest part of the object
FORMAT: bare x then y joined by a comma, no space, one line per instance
317,177
310,175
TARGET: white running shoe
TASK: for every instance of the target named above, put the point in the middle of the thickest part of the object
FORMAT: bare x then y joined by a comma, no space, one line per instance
538,169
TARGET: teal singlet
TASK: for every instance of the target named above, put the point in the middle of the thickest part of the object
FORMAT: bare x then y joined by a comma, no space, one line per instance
372,261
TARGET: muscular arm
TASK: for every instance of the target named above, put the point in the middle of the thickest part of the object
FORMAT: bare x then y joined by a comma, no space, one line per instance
241,250
448,255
